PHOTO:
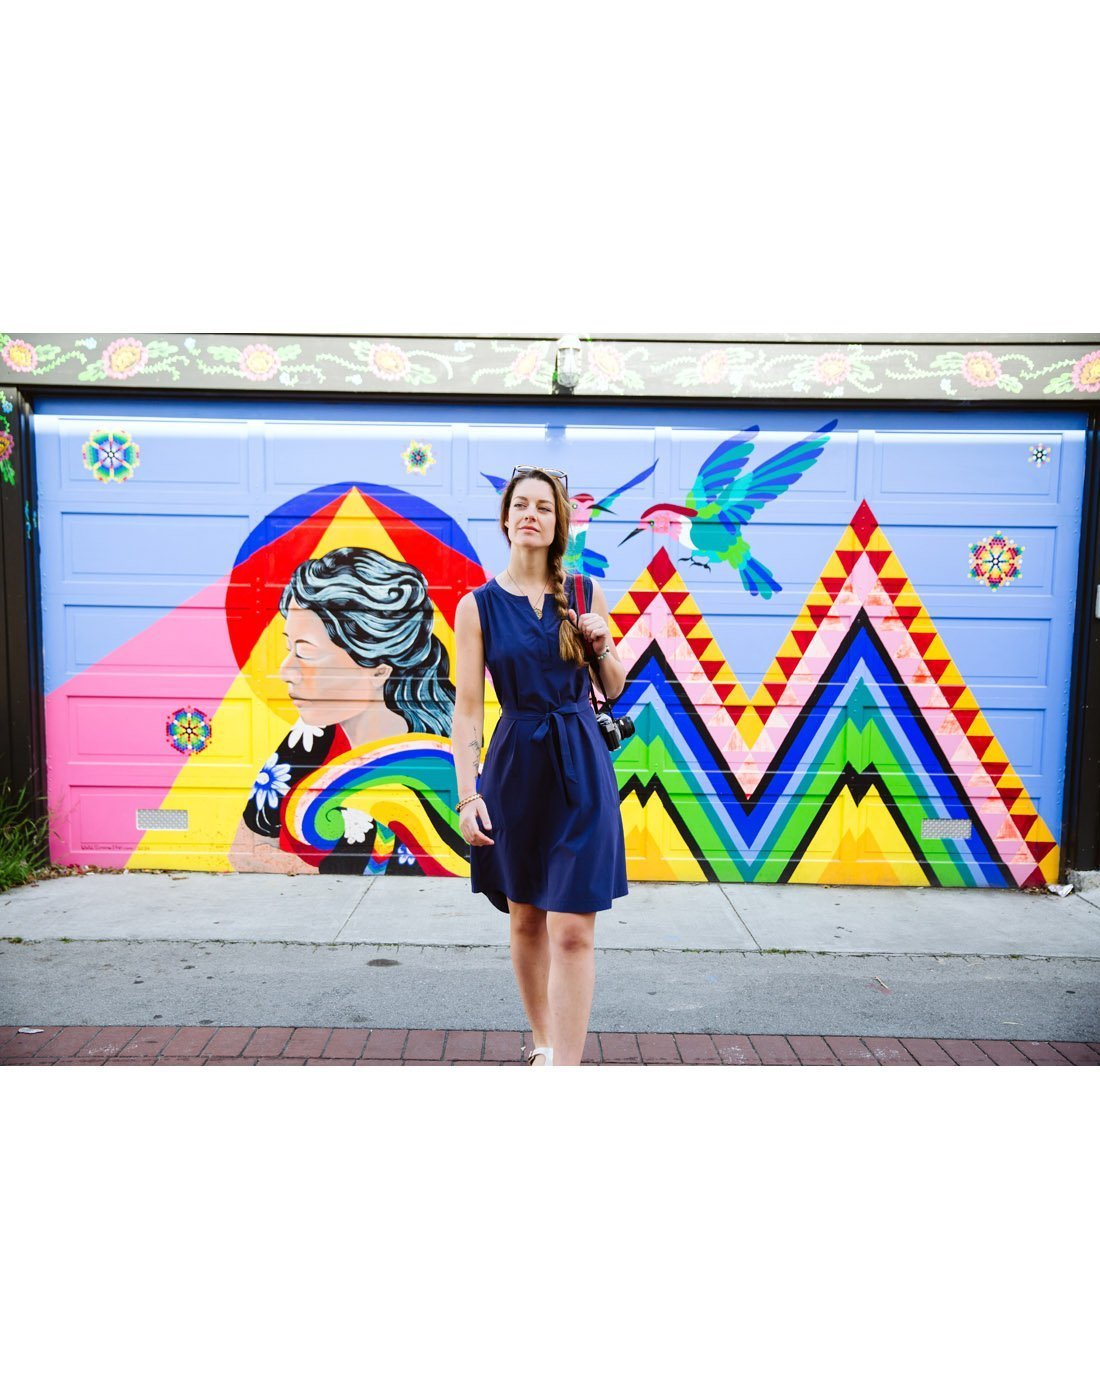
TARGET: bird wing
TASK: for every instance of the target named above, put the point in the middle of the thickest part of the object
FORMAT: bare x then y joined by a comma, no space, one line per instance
496,482
721,468
746,494
605,505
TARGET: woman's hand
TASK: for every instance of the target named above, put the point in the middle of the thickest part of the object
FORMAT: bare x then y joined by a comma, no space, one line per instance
593,628
473,822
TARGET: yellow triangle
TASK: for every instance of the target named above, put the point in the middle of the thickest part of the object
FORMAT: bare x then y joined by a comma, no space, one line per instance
655,850
858,845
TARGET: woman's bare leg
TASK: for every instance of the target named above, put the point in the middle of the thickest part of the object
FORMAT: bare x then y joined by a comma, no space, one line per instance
531,964
572,981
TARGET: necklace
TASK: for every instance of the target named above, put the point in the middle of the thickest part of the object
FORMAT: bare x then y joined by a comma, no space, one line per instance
542,592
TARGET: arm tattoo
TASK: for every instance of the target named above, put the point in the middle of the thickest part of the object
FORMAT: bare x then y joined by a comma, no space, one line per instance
475,743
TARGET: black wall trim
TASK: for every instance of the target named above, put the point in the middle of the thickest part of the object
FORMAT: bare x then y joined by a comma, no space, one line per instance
1081,825
22,750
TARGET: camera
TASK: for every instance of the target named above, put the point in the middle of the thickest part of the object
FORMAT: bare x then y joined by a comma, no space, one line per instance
614,730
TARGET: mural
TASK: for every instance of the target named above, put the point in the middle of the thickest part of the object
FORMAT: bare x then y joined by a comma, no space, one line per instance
298,707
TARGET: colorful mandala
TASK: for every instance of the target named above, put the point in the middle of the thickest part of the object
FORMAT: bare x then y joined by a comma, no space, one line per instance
188,730
111,456
1039,453
418,458
995,561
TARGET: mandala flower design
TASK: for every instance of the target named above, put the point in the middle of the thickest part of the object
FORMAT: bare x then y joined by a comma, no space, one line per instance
259,362
124,358
831,368
981,369
1086,373
189,730
711,367
111,456
418,458
20,356
7,446
388,362
1039,454
272,783
995,561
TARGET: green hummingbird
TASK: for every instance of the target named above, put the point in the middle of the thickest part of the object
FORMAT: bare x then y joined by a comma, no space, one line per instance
723,499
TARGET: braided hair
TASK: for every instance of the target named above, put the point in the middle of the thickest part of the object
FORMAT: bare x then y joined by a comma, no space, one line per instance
570,641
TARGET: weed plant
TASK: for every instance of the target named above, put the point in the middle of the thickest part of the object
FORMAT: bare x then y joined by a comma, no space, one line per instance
24,837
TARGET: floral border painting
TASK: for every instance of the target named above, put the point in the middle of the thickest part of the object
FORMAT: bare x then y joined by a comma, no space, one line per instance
512,367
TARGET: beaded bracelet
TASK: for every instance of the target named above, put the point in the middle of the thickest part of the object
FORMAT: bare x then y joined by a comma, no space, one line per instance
463,801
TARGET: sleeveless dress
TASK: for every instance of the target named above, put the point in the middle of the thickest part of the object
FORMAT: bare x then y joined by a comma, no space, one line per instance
548,780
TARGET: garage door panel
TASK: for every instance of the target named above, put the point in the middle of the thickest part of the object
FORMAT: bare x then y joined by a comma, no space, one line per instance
95,631
297,456
967,465
211,455
96,724
939,553
169,547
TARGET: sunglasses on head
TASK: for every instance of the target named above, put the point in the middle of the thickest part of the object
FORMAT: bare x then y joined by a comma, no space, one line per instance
548,471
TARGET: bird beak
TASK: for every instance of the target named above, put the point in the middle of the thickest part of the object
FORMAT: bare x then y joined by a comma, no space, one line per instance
638,531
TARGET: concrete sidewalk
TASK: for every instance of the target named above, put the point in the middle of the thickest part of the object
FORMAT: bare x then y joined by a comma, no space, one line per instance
344,910
207,950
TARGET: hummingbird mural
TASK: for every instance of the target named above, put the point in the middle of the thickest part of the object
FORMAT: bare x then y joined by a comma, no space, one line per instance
578,558
723,499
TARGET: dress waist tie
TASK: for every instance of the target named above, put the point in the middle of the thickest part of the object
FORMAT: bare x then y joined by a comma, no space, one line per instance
551,726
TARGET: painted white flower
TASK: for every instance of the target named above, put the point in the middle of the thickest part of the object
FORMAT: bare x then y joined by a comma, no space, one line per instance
272,783
304,734
357,825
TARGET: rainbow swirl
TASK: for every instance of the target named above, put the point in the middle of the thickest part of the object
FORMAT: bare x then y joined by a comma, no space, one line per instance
406,785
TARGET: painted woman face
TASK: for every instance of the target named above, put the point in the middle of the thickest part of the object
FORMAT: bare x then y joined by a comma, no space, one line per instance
325,684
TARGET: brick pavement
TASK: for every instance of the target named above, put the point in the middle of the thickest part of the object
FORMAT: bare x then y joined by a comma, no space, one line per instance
313,1045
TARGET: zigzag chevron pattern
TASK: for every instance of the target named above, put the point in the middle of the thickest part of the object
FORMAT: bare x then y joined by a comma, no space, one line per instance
860,732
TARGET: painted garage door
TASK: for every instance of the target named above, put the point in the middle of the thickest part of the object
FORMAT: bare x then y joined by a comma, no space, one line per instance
847,633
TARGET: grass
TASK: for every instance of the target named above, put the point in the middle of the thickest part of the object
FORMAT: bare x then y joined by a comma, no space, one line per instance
24,837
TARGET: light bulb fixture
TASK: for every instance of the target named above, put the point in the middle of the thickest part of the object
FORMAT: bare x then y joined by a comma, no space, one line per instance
567,364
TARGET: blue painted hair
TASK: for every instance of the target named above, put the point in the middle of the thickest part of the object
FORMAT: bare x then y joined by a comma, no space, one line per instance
378,611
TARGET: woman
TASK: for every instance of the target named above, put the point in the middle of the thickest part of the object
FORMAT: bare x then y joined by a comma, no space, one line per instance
545,833
362,664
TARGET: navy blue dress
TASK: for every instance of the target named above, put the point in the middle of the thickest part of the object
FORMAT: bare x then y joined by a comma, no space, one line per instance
548,781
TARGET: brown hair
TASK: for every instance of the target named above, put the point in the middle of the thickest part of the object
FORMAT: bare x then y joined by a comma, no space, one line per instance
570,641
